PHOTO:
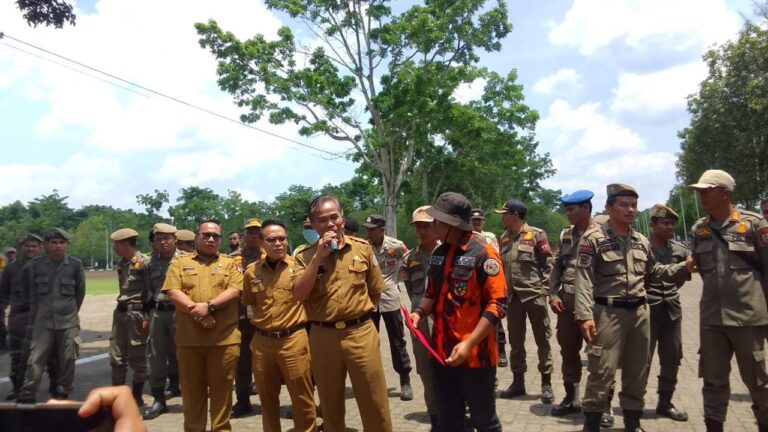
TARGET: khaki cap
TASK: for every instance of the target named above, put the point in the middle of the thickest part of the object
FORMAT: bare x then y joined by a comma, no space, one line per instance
123,234
420,215
164,228
9,249
714,178
663,212
620,189
185,235
56,233
252,223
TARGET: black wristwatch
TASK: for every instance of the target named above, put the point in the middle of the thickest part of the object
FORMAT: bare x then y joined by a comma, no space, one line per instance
211,307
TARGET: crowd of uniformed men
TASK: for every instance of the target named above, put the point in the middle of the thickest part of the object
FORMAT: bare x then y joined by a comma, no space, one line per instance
195,322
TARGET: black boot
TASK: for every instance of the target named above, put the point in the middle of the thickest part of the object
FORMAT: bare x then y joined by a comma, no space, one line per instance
242,407
571,403
432,422
713,425
516,389
13,395
406,392
632,421
158,407
138,389
173,387
762,428
547,394
503,361
591,421
666,409
606,421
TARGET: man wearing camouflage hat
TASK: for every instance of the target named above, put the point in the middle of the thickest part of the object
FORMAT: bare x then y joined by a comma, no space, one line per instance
730,247
611,268
56,283
130,320
389,253
163,364
666,311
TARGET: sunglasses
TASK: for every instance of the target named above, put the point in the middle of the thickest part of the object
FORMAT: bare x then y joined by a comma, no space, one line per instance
280,239
215,236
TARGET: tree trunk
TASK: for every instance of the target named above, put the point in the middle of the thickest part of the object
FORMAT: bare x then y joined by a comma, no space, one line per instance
390,208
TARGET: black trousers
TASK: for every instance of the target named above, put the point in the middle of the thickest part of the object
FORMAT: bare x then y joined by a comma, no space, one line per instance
244,375
457,387
393,321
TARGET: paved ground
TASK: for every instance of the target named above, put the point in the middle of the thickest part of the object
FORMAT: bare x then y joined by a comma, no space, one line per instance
526,414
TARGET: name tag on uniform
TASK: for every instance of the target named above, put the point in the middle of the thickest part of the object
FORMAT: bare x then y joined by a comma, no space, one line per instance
437,260
188,267
466,261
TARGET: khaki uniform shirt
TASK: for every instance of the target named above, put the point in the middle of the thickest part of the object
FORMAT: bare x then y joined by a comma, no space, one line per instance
527,260
157,269
612,266
668,292
390,256
734,291
56,291
414,272
563,275
269,293
134,279
346,281
203,281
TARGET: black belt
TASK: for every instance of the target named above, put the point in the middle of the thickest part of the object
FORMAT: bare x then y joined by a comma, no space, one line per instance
165,306
343,324
622,303
279,334
132,307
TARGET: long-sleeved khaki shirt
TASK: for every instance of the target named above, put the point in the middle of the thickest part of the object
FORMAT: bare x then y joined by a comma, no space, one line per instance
527,259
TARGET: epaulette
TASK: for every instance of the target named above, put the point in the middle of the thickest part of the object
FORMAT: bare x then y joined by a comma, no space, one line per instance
357,239
751,213
591,230
77,260
536,229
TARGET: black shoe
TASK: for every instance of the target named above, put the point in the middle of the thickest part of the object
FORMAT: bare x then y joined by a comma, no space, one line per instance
547,395
13,395
241,408
606,419
567,406
516,389
156,410
591,422
26,400
671,412
503,361
632,421
172,392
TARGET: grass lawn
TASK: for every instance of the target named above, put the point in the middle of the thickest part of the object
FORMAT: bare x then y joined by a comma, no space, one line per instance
96,284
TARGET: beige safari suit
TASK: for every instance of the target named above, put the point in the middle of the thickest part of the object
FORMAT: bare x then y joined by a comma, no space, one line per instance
733,310
614,268
345,283
279,359
207,357
128,344
527,260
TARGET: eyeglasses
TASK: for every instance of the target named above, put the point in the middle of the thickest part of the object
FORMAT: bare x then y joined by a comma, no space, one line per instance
280,239
215,236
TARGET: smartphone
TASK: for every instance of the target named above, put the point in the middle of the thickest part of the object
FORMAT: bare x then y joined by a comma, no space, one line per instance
60,418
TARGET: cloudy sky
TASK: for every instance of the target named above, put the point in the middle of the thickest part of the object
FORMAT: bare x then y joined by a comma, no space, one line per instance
608,77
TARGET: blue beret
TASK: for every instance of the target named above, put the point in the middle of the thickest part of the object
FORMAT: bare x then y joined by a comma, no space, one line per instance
578,197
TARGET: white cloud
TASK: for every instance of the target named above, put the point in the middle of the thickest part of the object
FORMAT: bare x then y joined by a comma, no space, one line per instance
590,150
466,92
590,25
564,80
658,92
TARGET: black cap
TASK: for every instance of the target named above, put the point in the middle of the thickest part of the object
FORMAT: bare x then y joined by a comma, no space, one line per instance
375,221
452,208
56,233
513,206
478,214
351,225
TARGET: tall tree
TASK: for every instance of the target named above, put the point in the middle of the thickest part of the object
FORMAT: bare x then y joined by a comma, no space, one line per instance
382,83
729,116
47,12
154,202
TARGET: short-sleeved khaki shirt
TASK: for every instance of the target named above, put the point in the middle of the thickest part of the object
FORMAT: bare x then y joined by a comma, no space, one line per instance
527,259
269,293
346,281
203,281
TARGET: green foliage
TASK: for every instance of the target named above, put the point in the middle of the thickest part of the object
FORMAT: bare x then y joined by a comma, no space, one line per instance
384,84
47,12
728,126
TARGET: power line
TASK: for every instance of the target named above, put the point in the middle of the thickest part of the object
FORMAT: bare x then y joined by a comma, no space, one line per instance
334,156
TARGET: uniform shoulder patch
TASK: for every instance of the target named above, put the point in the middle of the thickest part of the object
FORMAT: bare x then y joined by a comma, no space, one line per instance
762,236
491,267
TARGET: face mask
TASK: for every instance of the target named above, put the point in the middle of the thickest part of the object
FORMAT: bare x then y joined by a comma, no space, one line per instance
310,235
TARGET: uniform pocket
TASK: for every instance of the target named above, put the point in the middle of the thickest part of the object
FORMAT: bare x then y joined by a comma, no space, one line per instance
704,256
613,263
67,286
639,261
41,284
357,273
594,358
188,280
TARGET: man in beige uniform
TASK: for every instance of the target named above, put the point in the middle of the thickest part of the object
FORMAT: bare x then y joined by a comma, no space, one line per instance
130,320
612,264
205,286
666,310
527,260
280,347
414,273
341,281
730,247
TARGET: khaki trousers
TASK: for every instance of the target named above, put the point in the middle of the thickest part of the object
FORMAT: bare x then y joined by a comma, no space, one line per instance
668,334
162,348
537,312
570,340
622,340
278,361
718,345
128,347
354,351
62,344
424,366
205,371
